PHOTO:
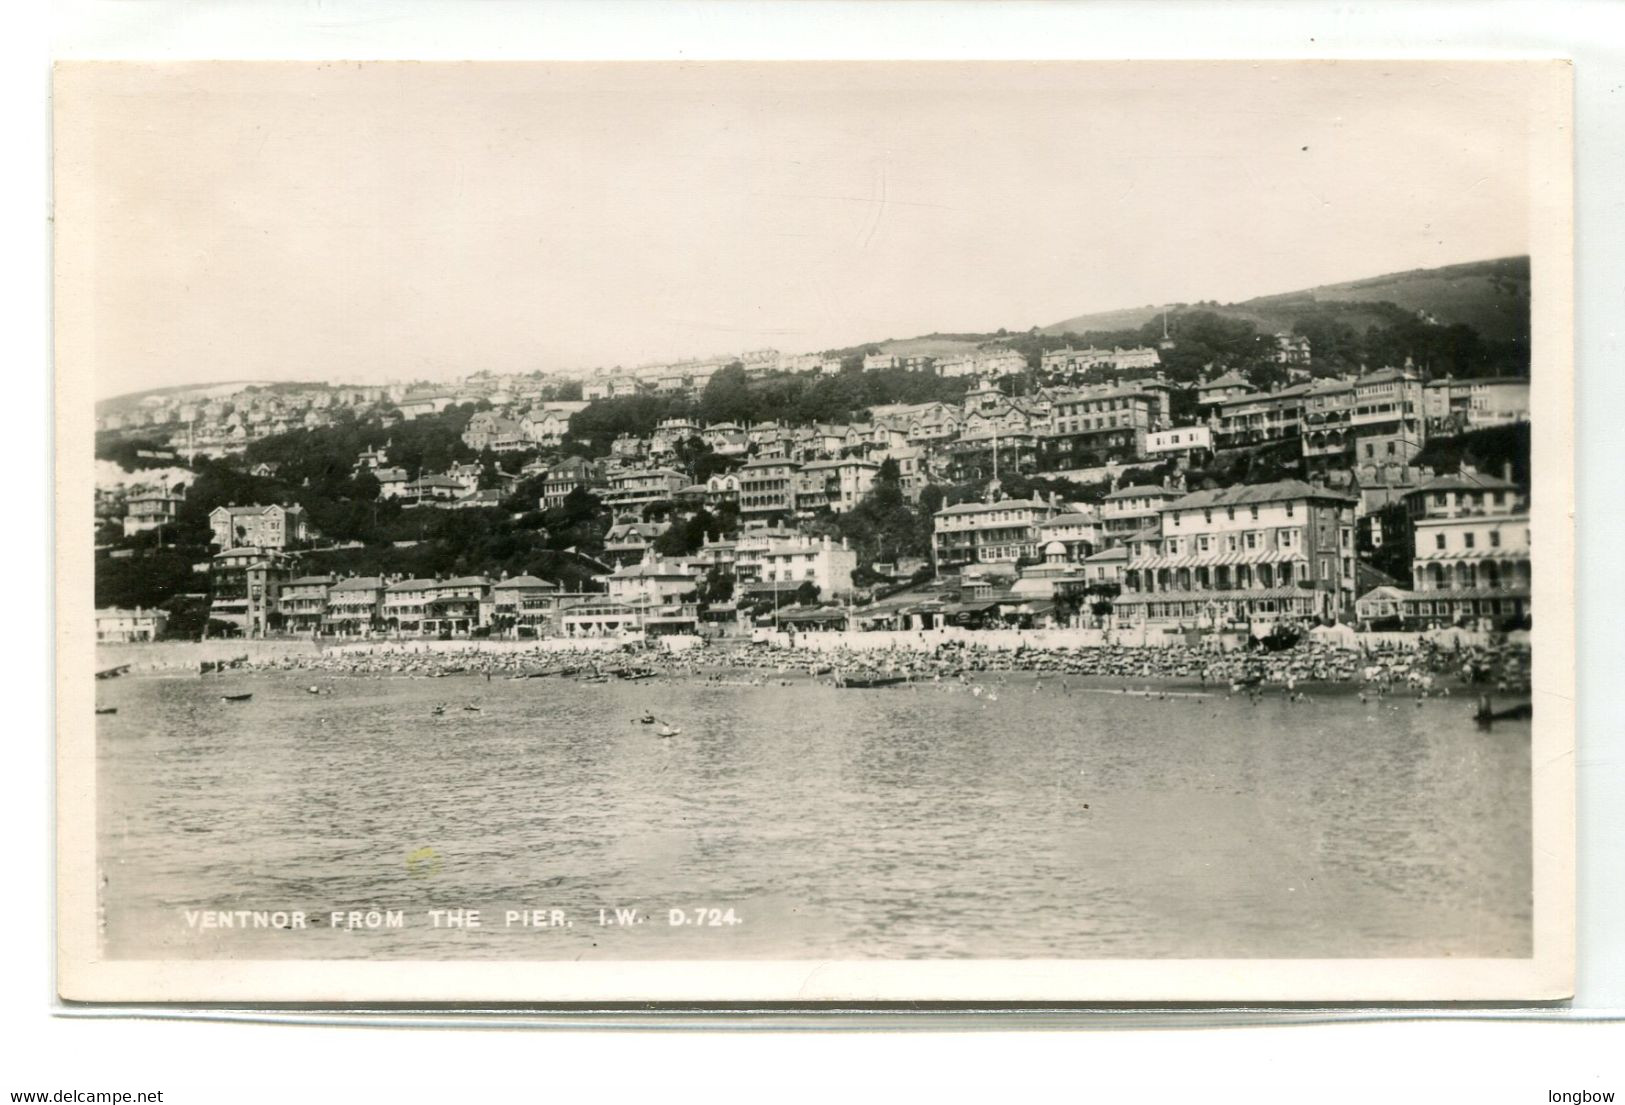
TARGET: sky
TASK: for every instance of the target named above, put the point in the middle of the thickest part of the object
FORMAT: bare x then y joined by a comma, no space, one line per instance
375,222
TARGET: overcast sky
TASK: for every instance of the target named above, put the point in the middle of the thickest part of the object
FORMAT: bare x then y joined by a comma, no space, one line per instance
390,221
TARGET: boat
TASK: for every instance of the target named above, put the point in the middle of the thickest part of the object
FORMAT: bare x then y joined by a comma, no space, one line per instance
1246,683
667,731
244,697
1280,638
1485,716
107,709
437,710
646,719
472,707
868,682
113,673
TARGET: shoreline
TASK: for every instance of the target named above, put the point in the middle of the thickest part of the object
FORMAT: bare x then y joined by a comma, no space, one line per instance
1162,671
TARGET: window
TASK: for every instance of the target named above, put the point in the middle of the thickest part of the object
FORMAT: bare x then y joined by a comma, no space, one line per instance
1495,538
1289,509
1438,541
1207,515
1252,540
1468,540
1255,512
1230,513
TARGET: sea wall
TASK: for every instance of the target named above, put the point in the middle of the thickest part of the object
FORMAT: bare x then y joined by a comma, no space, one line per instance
1001,640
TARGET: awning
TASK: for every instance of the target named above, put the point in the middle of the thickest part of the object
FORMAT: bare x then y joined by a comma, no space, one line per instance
1217,559
1137,598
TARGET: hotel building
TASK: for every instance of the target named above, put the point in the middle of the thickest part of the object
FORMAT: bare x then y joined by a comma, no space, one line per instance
1238,554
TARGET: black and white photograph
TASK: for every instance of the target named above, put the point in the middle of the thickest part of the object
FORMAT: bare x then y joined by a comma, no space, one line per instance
814,532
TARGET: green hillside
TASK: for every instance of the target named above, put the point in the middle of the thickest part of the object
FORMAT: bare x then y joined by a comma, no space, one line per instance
1490,296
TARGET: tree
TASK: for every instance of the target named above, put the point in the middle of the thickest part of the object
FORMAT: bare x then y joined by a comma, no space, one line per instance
807,593
686,535
719,586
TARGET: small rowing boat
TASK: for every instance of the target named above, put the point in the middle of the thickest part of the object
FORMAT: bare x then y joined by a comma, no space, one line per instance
107,709
244,697
868,682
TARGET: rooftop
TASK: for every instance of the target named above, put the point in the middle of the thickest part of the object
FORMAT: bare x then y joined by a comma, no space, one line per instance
1248,494
1002,504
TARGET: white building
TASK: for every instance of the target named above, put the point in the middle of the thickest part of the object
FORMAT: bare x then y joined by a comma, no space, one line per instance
1497,401
115,626
1471,561
1178,440
798,559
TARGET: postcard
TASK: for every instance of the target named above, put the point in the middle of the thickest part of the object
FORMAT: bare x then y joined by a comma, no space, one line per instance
814,534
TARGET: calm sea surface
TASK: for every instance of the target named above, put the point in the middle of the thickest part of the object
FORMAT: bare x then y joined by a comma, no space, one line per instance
852,824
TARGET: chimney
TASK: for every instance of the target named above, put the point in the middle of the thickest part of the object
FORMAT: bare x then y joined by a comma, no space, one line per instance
1506,471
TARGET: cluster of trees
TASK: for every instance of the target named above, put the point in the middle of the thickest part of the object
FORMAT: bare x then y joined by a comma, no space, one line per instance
731,396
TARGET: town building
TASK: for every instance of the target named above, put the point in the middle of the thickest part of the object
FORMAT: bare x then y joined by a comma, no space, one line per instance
801,559
404,605
567,476
834,485
423,404
652,581
635,488
1497,401
301,603
1231,385
1261,417
1179,441
1292,349
244,582
267,527
392,482
152,509
767,487
1095,425
1000,531
1389,421
1238,555
453,607
1447,404
524,602
721,487
489,430
1326,433
1077,532
117,627
1128,510
355,606
1471,561
1104,570
626,542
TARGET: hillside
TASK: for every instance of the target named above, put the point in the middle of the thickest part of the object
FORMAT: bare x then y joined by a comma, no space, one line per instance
1490,296
117,404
